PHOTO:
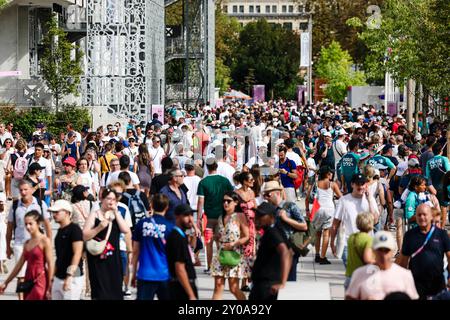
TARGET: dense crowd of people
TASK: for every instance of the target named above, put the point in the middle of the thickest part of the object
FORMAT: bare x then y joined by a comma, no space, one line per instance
136,206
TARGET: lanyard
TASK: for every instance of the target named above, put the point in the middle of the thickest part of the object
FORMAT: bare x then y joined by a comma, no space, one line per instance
425,243
180,231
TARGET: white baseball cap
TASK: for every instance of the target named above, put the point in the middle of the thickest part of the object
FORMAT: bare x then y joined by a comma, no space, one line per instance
383,239
341,132
327,134
61,205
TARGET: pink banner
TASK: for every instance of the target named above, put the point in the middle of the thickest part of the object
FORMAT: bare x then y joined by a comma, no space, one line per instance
392,108
159,109
259,93
10,73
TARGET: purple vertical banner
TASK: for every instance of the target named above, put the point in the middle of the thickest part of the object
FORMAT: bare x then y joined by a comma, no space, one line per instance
301,91
392,108
259,93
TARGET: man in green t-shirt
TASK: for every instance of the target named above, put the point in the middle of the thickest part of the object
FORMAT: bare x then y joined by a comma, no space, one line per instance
210,197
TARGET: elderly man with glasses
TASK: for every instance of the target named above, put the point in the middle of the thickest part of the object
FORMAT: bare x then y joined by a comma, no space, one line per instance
175,194
157,154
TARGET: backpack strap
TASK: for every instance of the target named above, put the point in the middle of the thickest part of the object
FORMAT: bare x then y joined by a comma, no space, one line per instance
14,208
106,162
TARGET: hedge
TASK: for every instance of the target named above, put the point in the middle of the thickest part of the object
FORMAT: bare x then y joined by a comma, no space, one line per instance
25,119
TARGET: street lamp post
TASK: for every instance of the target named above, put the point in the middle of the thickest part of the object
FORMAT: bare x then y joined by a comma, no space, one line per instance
310,100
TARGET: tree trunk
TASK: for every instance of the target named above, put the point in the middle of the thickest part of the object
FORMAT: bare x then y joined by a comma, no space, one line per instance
410,105
426,109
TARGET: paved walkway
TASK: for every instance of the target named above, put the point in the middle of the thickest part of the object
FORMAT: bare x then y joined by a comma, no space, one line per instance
314,281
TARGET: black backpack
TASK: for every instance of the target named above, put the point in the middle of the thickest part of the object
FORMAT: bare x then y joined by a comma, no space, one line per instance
136,206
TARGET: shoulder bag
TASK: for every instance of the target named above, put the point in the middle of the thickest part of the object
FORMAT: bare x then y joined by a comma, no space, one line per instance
95,247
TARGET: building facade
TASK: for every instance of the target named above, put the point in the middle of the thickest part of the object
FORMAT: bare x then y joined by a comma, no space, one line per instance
23,25
291,14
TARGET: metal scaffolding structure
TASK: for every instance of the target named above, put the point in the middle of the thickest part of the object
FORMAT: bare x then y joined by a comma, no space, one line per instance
195,45
125,56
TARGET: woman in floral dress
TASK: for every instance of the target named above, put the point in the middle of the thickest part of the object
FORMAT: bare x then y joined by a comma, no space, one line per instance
232,234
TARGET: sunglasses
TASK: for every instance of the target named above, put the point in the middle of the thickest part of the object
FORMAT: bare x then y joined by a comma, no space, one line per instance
227,201
267,195
156,141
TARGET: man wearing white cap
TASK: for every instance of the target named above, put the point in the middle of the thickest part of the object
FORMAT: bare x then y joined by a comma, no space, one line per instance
377,281
398,122
339,146
68,280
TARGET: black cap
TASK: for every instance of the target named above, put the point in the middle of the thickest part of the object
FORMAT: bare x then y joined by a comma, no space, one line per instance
36,166
387,147
184,209
359,179
266,208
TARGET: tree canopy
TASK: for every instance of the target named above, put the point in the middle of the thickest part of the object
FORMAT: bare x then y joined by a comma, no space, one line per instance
60,71
411,42
271,53
335,66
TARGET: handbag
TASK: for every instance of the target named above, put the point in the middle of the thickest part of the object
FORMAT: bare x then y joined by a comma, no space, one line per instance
27,286
95,247
229,258
299,240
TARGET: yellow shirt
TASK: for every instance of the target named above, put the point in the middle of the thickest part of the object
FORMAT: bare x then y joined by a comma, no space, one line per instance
105,162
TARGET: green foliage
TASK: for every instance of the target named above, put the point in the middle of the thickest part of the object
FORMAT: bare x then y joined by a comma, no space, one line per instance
227,39
273,53
335,66
330,24
61,74
223,78
174,14
412,43
2,4
25,119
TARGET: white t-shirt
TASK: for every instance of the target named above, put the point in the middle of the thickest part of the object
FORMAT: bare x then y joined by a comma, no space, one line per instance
5,136
46,164
260,162
370,283
347,210
225,170
311,163
339,150
88,179
129,222
291,155
114,176
192,184
131,153
156,155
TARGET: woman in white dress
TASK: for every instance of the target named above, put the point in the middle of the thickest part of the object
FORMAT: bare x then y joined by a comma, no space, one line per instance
323,218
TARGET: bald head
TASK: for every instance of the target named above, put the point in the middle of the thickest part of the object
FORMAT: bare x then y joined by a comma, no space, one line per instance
424,216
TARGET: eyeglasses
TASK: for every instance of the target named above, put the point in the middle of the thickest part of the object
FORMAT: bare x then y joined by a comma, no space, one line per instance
267,195
156,141
66,165
227,201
